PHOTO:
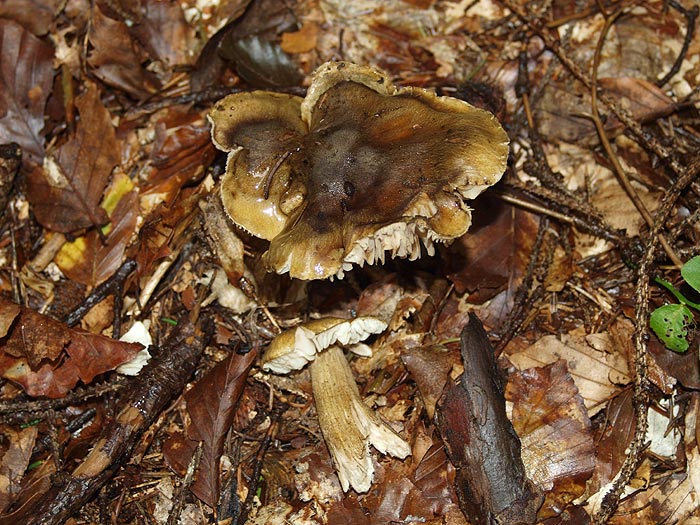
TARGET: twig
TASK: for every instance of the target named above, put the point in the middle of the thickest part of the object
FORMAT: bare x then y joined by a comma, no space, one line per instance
174,516
163,378
75,397
113,285
257,469
648,141
606,234
617,167
641,311
691,16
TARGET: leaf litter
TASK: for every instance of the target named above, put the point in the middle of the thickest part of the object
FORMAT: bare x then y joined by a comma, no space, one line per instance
108,105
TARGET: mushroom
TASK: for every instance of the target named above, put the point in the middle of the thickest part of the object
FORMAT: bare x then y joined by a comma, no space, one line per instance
357,168
292,349
348,425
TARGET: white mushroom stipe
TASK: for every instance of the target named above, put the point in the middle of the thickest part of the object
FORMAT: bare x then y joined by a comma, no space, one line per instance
348,425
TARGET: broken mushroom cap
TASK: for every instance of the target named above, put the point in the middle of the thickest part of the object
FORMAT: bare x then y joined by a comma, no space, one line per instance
260,129
293,349
379,169
348,425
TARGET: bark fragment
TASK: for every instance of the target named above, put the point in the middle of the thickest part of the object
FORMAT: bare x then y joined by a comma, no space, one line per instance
480,440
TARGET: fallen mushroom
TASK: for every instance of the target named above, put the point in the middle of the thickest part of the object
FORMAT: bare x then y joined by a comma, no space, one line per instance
348,425
358,168
292,349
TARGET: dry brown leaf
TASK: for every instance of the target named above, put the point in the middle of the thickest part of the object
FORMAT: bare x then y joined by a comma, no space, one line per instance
91,259
33,354
164,33
211,405
32,335
34,15
555,432
594,361
672,500
66,193
301,41
26,76
14,461
493,255
430,368
115,59
181,149
35,484
8,314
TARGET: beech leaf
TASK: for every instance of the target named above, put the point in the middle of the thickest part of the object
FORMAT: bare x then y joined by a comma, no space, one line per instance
26,76
47,358
66,193
89,259
211,404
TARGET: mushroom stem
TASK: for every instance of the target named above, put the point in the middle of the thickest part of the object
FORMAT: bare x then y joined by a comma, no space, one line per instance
348,425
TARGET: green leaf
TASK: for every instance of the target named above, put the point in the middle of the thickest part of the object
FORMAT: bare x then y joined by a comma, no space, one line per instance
691,272
670,323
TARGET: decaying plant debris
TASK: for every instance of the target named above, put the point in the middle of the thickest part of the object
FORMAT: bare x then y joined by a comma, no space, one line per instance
110,217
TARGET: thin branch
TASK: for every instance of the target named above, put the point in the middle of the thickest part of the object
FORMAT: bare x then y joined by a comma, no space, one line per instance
617,167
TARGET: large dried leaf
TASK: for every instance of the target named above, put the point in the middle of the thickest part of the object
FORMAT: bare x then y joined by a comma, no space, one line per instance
181,150
494,253
48,359
26,76
599,367
116,59
34,15
31,335
211,405
90,259
164,33
554,429
672,500
430,368
66,194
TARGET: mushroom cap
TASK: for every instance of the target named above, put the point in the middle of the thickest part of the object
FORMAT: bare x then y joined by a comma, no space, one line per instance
258,129
380,169
292,349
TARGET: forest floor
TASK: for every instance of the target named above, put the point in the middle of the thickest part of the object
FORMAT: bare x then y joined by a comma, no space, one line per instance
110,225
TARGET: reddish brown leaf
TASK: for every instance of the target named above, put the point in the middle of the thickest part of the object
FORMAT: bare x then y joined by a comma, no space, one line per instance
34,15
66,194
644,100
494,254
550,417
613,439
211,404
430,368
35,484
164,33
164,229
181,149
26,76
33,354
425,494
8,313
116,60
33,336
